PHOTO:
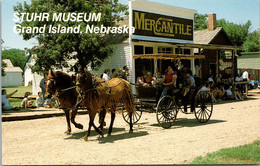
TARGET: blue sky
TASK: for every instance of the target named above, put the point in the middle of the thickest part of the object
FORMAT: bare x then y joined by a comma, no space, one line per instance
237,11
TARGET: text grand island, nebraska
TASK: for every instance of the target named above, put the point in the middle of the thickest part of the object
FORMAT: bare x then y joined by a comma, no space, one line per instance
65,17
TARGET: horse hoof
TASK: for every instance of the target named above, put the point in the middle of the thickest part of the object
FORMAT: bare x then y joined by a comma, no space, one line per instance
131,131
80,126
85,138
67,132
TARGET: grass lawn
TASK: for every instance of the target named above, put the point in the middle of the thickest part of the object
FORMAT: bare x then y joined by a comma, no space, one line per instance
15,102
246,154
21,90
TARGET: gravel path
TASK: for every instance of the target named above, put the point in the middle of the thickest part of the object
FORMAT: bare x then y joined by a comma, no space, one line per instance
42,141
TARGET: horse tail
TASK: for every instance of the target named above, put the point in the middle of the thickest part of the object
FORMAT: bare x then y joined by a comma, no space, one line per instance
129,99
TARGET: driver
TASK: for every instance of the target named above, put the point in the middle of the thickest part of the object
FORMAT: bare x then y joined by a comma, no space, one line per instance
169,81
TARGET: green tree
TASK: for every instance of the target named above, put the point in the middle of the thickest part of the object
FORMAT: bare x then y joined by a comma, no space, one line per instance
237,33
57,48
252,43
17,57
200,21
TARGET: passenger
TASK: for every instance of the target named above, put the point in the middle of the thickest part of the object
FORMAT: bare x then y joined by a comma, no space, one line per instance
169,80
105,75
159,78
148,78
190,85
156,73
140,80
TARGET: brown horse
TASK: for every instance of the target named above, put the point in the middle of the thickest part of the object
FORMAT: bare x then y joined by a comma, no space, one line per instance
97,95
61,83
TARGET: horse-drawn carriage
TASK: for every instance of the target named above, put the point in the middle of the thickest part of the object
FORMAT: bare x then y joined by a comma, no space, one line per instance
169,105
97,95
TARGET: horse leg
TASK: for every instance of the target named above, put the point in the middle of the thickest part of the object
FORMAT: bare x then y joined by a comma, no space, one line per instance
67,113
130,112
131,123
73,115
102,116
92,115
113,115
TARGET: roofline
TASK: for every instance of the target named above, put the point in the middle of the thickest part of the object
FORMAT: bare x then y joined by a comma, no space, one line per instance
222,29
164,5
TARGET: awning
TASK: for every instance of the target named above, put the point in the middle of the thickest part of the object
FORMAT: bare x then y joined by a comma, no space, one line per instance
208,46
168,56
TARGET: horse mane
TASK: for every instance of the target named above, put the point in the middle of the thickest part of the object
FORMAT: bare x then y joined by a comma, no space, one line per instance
64,78
67,98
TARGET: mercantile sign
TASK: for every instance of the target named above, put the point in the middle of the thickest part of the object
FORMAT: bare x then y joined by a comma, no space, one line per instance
157,25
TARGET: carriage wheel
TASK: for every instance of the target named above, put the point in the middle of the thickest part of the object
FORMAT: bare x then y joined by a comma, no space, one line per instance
204,107
136,116
166,111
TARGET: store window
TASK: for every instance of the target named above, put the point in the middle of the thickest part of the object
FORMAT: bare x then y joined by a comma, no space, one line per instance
183,51
138,50
165,50
143,66
148,50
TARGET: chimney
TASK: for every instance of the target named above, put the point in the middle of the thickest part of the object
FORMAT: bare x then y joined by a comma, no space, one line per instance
212,21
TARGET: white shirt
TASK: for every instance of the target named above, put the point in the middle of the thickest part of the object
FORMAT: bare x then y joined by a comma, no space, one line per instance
38,101
204,89
105,77
23,102
5,101
245,75
210,79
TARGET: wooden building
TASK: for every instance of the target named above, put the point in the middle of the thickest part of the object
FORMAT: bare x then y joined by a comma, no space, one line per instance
220,60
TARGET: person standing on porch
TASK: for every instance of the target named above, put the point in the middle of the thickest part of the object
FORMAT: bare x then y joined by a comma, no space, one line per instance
245,75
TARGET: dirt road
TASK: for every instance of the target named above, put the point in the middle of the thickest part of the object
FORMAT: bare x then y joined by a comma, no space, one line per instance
42,141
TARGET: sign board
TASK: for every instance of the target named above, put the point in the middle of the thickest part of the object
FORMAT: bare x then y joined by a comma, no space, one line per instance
157,25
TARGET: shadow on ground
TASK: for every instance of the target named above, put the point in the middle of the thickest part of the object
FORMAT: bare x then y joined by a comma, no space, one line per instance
115,136
183,122
8,112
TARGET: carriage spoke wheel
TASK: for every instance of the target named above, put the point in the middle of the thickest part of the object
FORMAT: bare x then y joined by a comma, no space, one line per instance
166,111
136,116
204,107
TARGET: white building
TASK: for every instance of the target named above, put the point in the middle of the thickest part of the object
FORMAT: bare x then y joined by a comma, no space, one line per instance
13,75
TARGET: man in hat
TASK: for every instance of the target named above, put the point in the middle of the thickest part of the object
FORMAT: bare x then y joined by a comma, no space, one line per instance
245,75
